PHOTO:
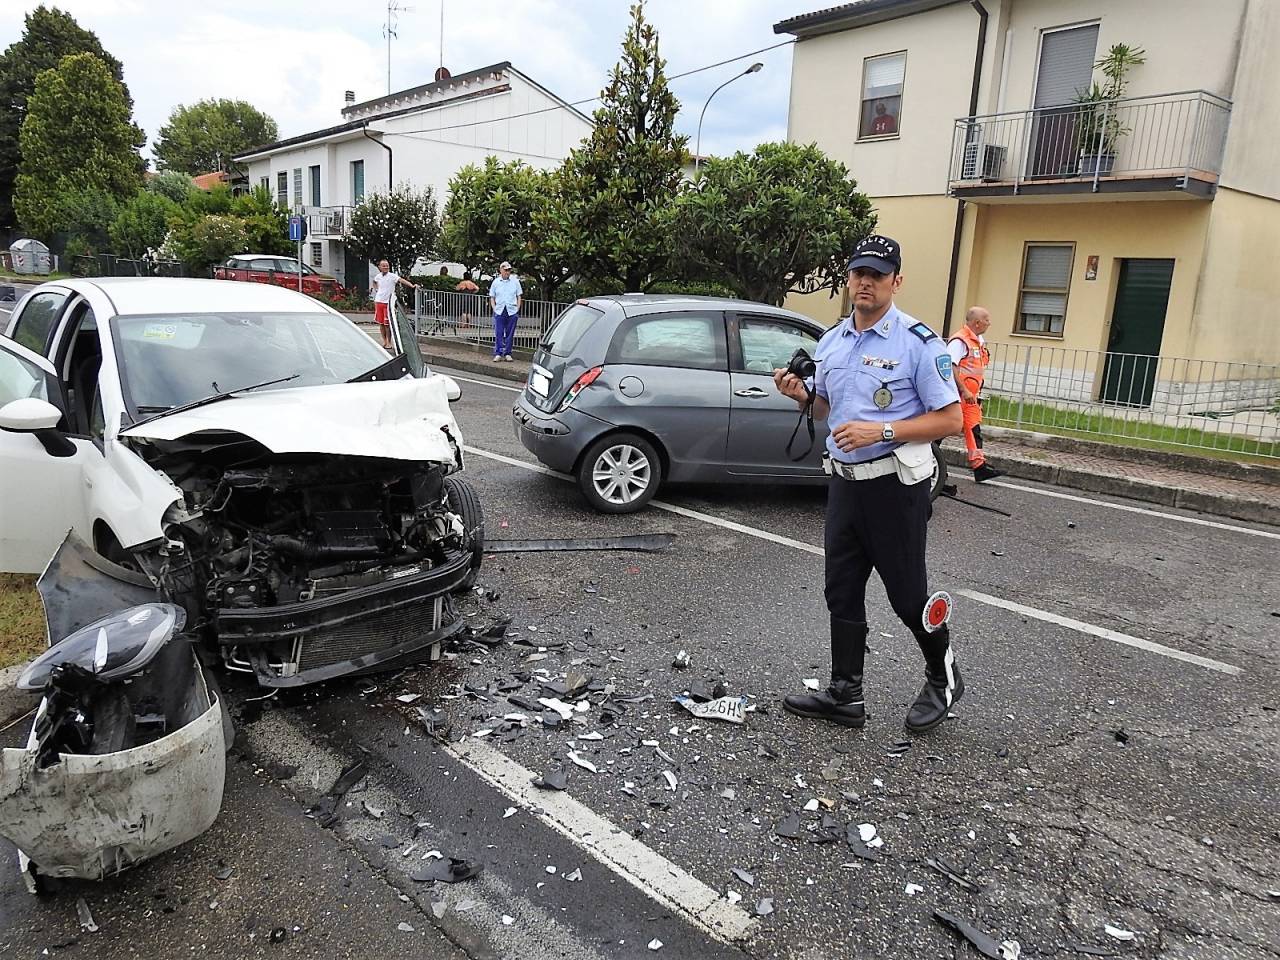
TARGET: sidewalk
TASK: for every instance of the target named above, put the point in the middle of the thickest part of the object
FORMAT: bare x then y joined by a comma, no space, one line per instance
1219,487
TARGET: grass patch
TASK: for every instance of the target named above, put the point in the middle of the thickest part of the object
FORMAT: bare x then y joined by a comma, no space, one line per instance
21,619
1090,425
32,277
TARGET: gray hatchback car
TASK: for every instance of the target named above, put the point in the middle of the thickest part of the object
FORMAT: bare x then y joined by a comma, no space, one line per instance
631,391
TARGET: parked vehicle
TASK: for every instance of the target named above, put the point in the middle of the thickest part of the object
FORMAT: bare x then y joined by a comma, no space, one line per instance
282,271
632,391
253,455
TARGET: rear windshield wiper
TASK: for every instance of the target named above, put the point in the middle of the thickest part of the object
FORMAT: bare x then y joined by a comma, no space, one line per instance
214,398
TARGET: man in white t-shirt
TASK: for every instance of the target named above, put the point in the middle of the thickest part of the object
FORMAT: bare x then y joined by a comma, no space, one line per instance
384,288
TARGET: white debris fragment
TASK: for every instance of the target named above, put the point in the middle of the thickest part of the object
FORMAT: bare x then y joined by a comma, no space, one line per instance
404,927
728,793
655,944
551,870
1119,933
593,735
376,812
877,782
1010,950
811,806
408,697
1207,841
575,876
866,831
800,782
507,920
811,683
559,706
509,812
972,836
86,918
733,896
681,660
670,778
913,888
1013,839
729,709
582,706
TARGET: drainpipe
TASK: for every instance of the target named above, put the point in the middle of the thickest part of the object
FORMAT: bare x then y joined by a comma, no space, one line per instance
390,156
973,111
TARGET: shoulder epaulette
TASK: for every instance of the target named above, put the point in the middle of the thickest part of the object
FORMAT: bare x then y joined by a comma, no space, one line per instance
922,331
831,329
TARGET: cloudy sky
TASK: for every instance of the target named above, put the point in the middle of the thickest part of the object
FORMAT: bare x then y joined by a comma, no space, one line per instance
294,58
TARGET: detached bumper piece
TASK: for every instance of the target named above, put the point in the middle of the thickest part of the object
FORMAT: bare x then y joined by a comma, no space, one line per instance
362,630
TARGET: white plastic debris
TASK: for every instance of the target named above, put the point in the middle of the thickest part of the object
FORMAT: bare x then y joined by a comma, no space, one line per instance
733,896
376,812
1013,839
86,918
1010,950
1119,933
559,706
681,661
575,876
404,927
593,735
655,944
408,697
867,832
551,870
811,683
729,709
509,812
670,778
913,888
972,836
584,764
507,920
812,805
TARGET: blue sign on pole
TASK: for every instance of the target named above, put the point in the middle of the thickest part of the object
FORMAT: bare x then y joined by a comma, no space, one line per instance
297,229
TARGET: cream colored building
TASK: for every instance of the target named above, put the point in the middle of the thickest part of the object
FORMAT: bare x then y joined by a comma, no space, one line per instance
1152,228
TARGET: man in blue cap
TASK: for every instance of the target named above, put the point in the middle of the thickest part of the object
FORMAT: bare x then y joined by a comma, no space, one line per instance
884,384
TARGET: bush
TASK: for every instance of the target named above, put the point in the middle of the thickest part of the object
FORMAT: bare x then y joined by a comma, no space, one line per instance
352,302
201,243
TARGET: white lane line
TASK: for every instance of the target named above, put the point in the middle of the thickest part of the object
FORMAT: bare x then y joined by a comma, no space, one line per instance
1079,625
1128,509
1102,632
485,383
652,874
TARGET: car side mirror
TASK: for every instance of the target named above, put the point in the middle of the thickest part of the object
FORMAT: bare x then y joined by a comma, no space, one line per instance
452,389
39,418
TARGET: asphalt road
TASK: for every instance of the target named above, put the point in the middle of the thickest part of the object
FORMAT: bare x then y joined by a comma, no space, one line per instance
1088,779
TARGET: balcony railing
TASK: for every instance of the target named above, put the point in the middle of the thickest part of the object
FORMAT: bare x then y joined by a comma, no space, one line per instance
327,221
1170,142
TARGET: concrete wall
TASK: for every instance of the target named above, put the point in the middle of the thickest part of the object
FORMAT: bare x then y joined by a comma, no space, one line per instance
1253,140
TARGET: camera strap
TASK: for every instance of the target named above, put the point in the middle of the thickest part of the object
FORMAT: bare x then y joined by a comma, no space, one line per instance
806,417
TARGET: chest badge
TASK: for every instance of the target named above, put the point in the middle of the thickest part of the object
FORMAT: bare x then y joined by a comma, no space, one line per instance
882,397
881,362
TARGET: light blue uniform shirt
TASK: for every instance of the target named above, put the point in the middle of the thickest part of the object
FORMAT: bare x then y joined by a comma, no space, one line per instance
899,354
504,293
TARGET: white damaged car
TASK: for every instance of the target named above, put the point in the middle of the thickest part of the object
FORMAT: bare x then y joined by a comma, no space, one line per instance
241,451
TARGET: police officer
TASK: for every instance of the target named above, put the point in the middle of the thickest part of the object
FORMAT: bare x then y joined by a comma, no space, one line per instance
885,385
969,360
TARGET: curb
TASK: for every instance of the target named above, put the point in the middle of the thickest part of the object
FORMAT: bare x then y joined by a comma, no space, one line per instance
515,372
1218,504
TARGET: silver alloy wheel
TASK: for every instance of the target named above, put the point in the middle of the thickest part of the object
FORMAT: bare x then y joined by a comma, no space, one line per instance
621,474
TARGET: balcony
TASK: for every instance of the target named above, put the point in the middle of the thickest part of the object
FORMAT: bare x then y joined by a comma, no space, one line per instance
1171,143
327,221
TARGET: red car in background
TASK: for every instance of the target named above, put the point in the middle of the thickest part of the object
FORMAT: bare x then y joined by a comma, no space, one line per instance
282,271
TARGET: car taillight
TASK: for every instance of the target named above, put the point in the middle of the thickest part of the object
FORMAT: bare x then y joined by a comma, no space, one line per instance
584,381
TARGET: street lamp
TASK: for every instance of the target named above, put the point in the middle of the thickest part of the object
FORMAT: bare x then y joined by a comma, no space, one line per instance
697,152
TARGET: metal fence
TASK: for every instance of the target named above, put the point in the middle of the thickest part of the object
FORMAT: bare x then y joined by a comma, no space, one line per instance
1174,135
467,317
107,265
1170,401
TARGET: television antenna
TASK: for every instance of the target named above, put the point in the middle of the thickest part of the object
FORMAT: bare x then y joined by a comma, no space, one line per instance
389,31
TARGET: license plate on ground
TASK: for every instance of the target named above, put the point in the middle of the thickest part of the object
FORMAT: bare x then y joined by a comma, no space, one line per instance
540,383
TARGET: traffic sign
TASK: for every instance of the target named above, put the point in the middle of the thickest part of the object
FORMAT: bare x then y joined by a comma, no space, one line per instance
297,228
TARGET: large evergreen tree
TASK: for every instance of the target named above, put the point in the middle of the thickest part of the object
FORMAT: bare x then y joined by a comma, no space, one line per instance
49,35
77,136
606,225
205,136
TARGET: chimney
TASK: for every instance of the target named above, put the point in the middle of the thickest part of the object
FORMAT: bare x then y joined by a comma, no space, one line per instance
348,99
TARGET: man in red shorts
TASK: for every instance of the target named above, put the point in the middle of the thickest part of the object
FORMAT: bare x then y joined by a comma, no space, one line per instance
384,287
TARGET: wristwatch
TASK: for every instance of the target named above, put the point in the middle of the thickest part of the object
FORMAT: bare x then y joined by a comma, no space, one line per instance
887,433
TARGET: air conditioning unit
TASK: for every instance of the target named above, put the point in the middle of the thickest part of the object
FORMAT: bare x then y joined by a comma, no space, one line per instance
982,161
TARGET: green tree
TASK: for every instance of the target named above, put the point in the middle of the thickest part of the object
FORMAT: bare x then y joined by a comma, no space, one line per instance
204,241
85,215
142,224
489,217
48,36
203,137
399,227
266,225
172,184
780,220
77,134
605,223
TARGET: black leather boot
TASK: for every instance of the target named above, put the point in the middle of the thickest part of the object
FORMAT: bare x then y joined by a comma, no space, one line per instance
842,701
943,685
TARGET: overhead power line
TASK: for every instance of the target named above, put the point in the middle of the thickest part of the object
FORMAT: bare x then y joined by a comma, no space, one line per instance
574,103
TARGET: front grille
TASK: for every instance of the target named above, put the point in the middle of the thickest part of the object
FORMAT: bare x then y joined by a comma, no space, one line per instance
378,630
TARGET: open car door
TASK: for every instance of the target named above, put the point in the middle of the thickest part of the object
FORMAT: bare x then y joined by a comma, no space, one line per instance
405,338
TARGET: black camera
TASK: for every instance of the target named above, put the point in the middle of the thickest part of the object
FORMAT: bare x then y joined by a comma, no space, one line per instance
802,365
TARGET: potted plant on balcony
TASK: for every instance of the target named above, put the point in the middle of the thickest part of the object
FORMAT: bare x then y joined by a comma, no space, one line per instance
1099,125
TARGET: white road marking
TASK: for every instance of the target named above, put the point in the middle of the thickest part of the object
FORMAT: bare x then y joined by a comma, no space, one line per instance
1079,625
1128,509
486,383
1102,632
1196,521
650,873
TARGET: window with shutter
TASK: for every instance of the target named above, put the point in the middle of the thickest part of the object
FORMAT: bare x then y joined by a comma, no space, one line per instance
882,80
1066,64
297,186
1046,278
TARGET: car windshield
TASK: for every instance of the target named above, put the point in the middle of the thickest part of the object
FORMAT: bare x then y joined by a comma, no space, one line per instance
172,359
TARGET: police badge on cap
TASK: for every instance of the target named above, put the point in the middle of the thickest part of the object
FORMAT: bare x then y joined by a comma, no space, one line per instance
879,253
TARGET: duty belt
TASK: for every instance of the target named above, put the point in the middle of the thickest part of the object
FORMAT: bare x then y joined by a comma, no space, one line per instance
879,467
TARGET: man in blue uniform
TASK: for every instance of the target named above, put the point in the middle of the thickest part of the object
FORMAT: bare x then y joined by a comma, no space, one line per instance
885,385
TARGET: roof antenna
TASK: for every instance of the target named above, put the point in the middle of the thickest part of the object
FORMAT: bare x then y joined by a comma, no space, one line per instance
389,31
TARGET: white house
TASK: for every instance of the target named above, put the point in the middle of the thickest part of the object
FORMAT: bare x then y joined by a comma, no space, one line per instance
420,136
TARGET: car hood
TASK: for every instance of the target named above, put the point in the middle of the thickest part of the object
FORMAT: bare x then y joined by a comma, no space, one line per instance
396,419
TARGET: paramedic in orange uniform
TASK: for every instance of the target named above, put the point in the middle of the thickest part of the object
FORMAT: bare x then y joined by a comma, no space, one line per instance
969,357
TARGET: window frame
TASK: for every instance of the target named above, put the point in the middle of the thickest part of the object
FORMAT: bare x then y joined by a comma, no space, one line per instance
737,357
55,319
317,254
1027,246
357,196
613,355
313,184
297,186
282,189
863,98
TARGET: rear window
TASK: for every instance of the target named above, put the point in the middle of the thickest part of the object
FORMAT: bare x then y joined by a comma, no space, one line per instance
690,340
568,330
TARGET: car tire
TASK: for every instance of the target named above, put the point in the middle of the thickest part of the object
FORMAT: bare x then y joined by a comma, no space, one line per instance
464,502
641,469
939,478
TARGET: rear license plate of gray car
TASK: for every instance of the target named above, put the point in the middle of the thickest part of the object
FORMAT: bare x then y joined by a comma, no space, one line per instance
539,382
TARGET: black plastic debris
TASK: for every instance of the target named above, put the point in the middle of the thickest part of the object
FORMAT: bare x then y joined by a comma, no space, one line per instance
853,837
829,830
641,542
1121,736
552,780
745,877
326,811
434,719
278,935
389,841
223,872
451,870
952,873
984,944
788,827
529,706
766,753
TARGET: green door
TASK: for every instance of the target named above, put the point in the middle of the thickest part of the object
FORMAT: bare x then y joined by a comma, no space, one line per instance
1137,327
